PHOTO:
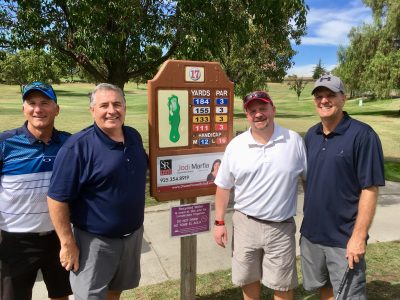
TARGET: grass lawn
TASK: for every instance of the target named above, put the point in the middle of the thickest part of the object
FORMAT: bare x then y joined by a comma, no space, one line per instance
74,103
298,115
383,281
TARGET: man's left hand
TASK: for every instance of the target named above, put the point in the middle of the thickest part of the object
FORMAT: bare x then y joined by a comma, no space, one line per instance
355,250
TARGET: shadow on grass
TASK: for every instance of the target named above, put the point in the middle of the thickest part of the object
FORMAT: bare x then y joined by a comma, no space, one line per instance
382,290
236,293
63,93
294,116
134,92
392,159
376,290
232,293
386,113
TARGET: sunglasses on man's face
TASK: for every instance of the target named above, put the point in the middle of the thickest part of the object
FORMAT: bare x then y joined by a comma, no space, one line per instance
256,95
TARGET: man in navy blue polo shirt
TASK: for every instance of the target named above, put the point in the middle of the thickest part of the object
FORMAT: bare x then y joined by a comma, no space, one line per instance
28,241
98,185
345,170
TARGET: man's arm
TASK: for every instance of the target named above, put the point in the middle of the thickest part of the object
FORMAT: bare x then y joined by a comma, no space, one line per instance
69,253
357,244
221,203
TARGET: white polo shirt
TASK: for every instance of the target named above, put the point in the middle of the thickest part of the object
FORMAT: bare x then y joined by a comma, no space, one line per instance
265,177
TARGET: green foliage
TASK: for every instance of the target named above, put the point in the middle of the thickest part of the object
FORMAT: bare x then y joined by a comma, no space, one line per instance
29,65
3,55
297,85
110,40
151,53
319,70
371,63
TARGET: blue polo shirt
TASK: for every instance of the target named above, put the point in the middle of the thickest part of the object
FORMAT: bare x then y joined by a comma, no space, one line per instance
26,164
340,165
102,180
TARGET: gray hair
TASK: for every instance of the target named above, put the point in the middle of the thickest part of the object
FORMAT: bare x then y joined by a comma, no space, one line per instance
104,86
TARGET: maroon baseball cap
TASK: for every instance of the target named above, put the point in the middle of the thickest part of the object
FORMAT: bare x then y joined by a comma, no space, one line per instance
257,95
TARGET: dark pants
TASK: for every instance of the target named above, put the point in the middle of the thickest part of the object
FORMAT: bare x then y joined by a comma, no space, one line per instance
22,256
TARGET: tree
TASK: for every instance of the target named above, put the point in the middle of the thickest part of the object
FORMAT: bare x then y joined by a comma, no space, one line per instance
30,65
68,68
319,70
252,64
371,63
110,39
151,53
3,56
297,85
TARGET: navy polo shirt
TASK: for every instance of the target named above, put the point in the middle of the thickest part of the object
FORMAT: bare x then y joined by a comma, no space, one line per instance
340,165
102,180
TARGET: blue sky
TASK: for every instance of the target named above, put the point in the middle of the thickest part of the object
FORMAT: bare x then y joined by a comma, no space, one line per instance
328,23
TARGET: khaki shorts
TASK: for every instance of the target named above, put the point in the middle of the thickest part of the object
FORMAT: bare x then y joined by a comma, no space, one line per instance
264,251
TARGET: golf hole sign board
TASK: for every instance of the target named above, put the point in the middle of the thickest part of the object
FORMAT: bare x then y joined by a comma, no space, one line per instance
190,108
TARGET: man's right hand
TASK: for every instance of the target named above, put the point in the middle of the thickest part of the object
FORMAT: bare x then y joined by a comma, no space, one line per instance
69,257
221,235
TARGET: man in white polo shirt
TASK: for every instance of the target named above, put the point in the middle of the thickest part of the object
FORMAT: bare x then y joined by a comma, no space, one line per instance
263,164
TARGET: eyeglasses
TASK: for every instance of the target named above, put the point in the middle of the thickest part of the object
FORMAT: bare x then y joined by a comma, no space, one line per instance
38,85
257,95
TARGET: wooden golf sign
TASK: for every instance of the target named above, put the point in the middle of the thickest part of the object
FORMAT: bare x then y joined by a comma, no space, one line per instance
190,108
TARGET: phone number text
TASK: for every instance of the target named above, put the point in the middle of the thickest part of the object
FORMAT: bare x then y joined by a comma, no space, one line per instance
174,178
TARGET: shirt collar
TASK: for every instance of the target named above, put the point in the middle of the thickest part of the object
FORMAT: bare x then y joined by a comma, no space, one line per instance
276,136
55,137
340,128
110,143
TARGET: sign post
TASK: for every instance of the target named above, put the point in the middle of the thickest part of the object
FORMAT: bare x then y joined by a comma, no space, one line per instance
188,262
190,108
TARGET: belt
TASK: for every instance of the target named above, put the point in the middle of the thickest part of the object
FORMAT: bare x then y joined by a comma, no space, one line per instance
289,220
107,236
27,234
125,235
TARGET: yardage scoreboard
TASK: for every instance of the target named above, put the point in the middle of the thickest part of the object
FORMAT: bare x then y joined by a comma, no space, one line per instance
190,108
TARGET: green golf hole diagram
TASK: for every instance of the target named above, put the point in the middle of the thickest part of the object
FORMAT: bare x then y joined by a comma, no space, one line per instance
174,118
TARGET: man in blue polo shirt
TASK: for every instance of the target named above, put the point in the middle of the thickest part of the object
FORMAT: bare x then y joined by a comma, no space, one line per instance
98,185
345,170
28,241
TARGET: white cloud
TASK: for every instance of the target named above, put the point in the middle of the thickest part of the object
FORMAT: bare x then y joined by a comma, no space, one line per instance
306,70
331,26
328,23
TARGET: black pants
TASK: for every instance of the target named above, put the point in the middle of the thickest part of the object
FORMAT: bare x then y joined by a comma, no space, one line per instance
22,255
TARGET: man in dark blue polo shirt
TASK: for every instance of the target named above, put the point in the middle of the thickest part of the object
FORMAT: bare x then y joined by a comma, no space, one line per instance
345,170
98,185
